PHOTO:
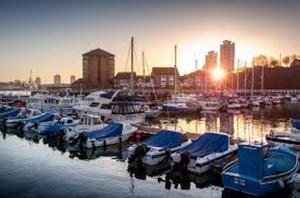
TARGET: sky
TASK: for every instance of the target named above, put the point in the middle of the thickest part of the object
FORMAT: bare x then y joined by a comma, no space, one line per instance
50,36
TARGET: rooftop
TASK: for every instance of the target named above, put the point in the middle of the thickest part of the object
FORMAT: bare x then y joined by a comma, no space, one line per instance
98,51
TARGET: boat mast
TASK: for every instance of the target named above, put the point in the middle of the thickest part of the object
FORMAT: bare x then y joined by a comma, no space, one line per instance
237,77
131,72
143,64
252,81
245,80
175,70
196,67
262,79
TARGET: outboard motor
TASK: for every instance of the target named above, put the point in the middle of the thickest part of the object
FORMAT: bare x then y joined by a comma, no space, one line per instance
139,153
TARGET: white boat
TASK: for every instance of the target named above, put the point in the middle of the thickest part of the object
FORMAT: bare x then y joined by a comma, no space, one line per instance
54,127
208,149
113,133
151,113
290,140
66,104
210,105
233,104
117,106
154,149
43,102
88,123
294,99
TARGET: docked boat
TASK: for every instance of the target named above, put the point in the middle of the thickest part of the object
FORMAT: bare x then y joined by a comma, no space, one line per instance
43,102
113,133
290,140
233,104
295,126
177,107
22,115
88,122
55,127
66,104
260,170
32,121
208,149
154,149
151,113
211,106
10,112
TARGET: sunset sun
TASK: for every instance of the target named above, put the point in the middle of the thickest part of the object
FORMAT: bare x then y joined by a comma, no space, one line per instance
218,74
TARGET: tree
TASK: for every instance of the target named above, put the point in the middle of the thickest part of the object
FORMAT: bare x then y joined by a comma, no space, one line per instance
273,62
286,60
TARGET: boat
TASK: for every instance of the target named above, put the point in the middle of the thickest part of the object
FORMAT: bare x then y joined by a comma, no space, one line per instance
113,133
43,102
154,149
151,113
32,121
211,106
88,123
118,106
66,104
210,148
290,140
22,115
233,104
10,112
55,127
179,107
295,126
294,99
260,170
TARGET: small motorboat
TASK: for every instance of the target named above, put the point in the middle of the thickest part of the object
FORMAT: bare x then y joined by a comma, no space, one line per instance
56,126
291,140
295,126
31,121
22,115
260,170
154,149
10,112
208,149
151,113
88,122
113,133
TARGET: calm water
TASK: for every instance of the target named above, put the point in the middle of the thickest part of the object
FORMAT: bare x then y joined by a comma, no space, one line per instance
33,167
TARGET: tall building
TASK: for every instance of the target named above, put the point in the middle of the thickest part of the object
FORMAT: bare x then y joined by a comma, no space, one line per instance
38,81
72,79
227,55
211,60
98,69
57,79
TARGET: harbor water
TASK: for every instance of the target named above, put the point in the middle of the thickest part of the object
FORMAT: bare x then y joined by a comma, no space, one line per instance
34,167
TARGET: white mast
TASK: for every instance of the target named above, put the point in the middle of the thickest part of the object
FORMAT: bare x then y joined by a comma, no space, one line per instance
175,71
196,67
245,80
132,59
262,79
252,81
237,77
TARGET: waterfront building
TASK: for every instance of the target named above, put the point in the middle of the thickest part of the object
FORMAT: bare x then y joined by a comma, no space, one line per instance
227,56
57,79
163,77
122,80
211,60
72,79
98,69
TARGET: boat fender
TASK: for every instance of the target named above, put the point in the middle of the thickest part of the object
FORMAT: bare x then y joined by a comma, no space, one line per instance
281,183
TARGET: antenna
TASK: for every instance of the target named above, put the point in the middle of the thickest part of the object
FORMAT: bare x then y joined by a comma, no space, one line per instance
175,70
132,62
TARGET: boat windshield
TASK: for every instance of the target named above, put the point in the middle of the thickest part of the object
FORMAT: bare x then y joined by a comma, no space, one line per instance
94,104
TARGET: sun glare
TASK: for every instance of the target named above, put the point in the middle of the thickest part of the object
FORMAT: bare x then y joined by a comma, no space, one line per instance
218,74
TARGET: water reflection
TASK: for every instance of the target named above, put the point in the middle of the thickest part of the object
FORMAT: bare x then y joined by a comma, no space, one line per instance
246,124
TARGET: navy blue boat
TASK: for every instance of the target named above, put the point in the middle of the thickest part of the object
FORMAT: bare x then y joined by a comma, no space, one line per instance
10,112
260,170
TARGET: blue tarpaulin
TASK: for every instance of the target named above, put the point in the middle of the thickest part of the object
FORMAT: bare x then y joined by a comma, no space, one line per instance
206,144
296,124
11,112
165,139
44,117
113,129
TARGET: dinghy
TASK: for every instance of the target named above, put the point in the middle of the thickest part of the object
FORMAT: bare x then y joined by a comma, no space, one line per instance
260,170
113,133
157,147
291,140
208,149
55,127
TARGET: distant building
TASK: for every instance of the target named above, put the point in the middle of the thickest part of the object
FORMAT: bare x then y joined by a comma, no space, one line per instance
38,81
211,60
72,79
164,77
227,55
122,80
98,69
57,79
295,63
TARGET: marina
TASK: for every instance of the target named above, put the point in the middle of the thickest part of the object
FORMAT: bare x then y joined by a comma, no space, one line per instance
101,161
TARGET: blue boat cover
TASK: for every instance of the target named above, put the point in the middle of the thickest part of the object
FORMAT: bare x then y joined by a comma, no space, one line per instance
11,112
113,129
44,117
296,124
165,139
206,144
